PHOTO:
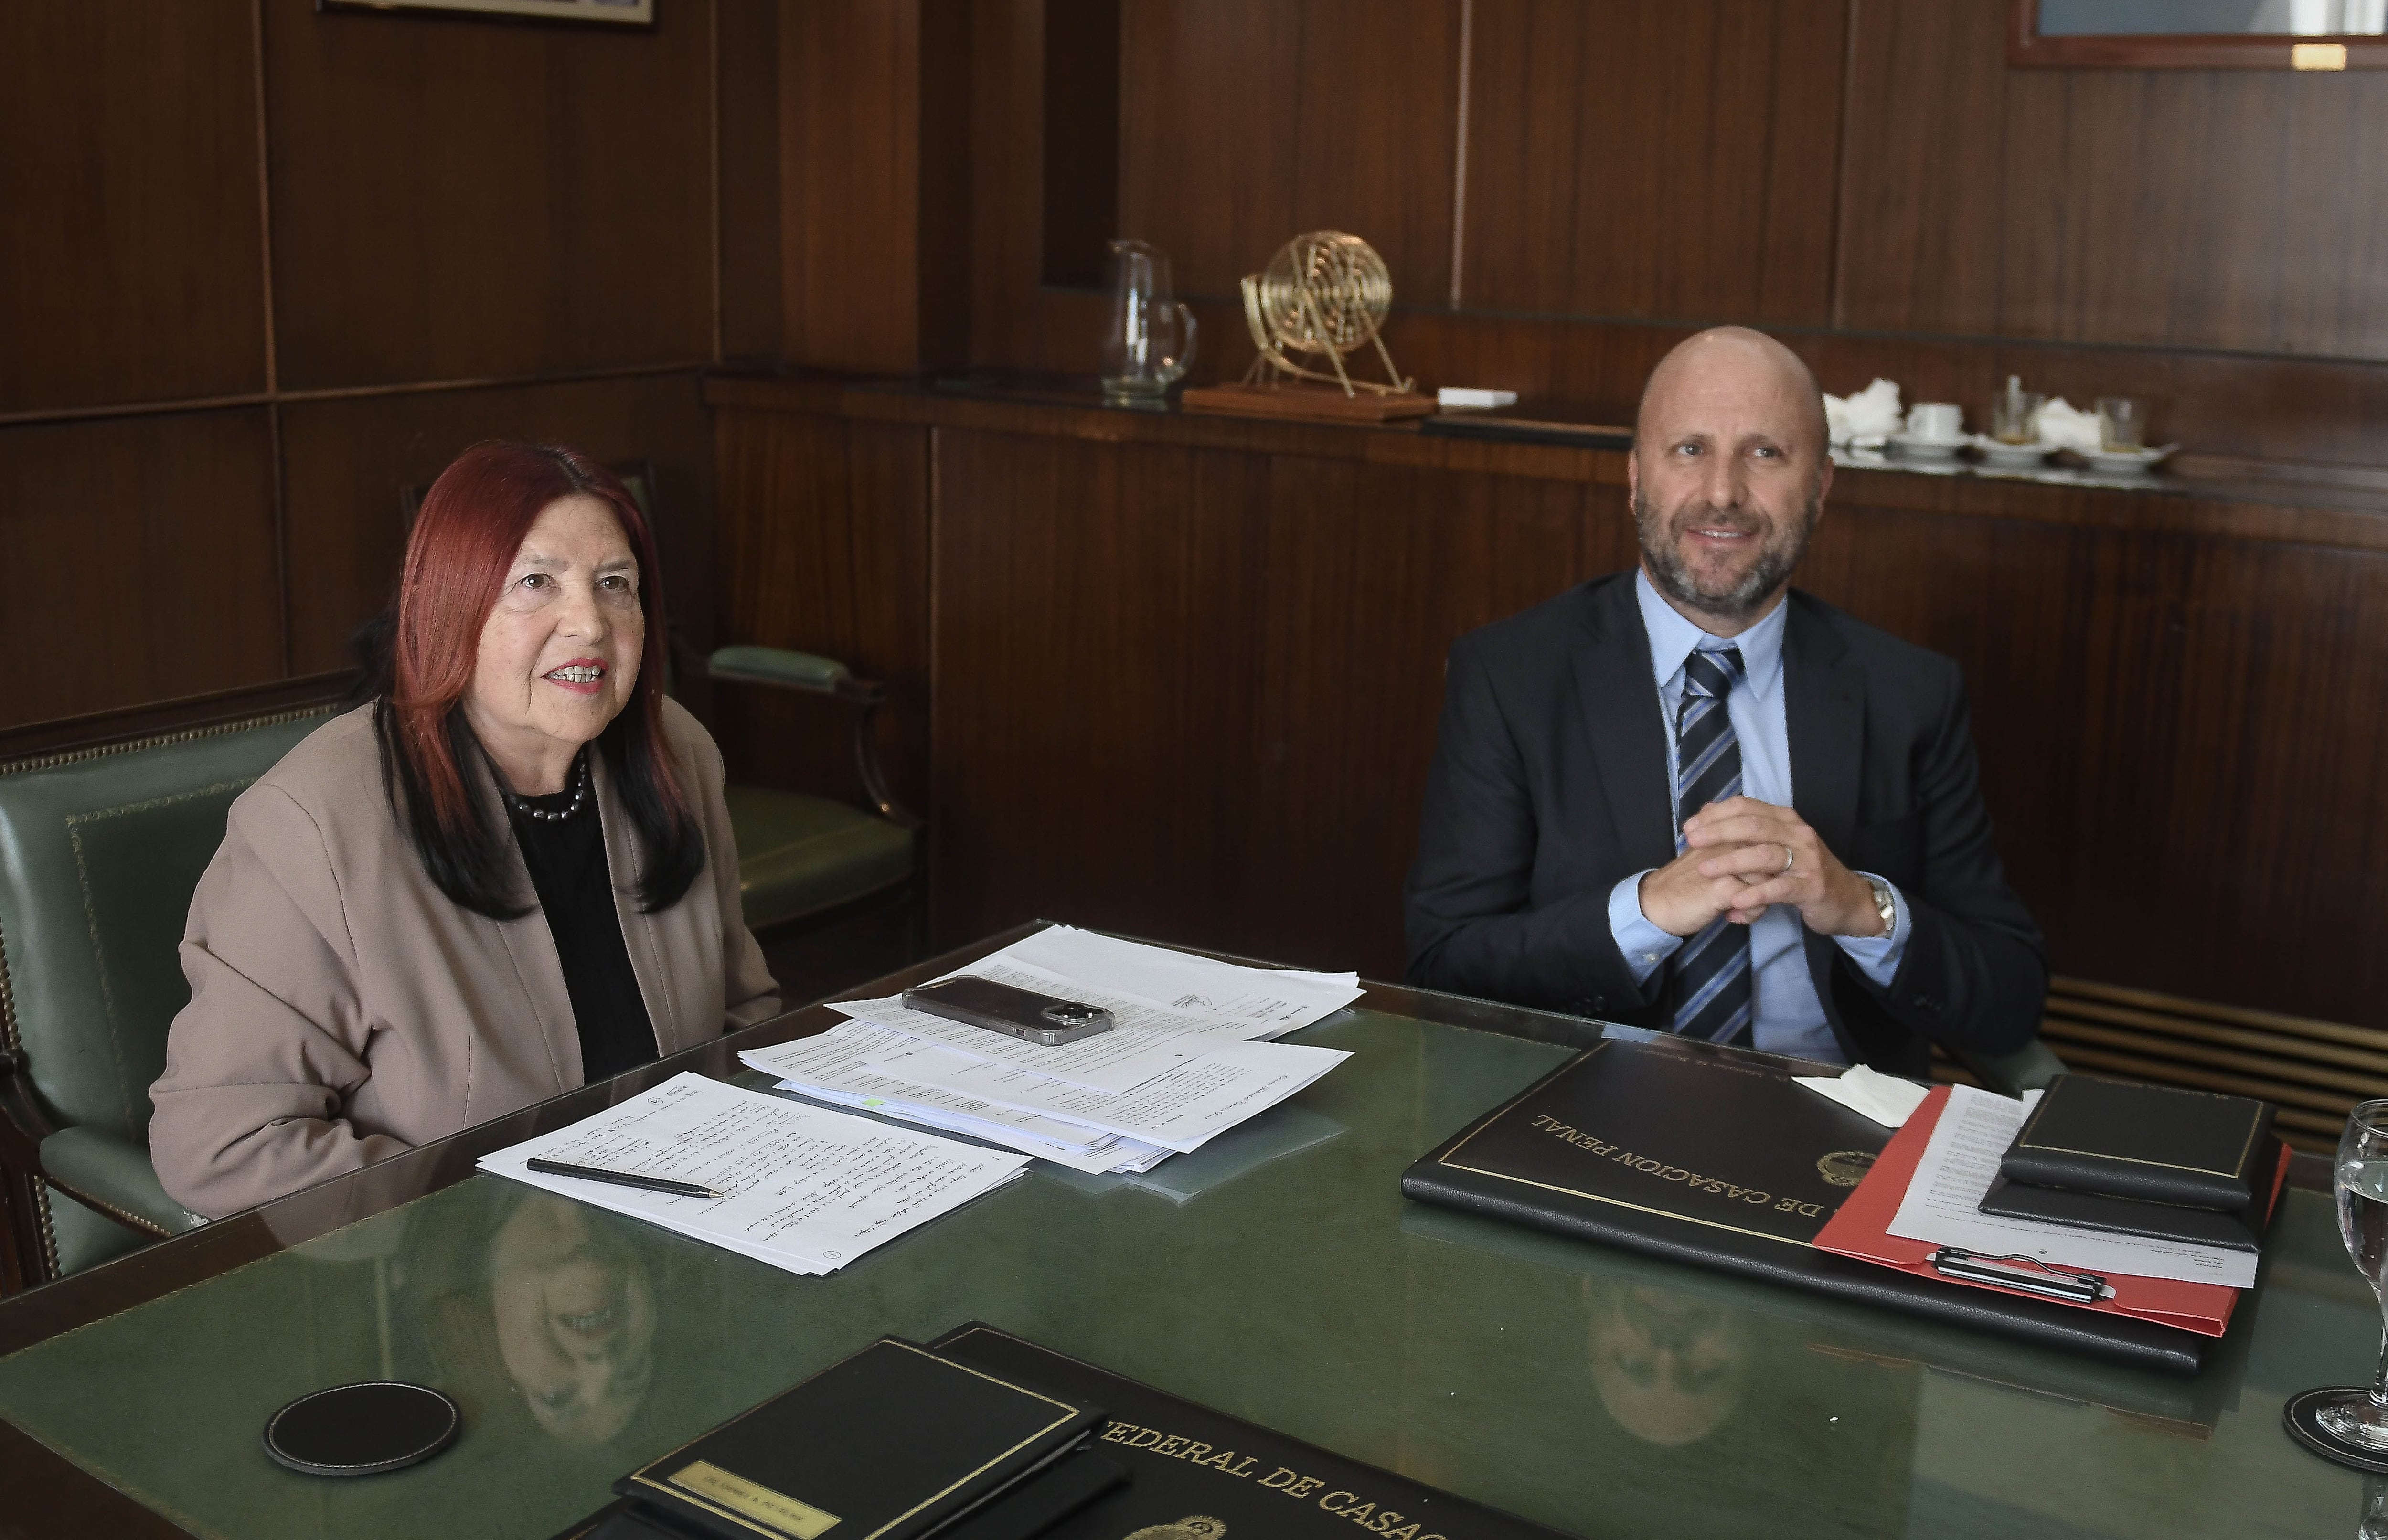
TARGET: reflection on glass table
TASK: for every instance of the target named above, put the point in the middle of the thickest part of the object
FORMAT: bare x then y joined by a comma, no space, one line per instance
1597,1393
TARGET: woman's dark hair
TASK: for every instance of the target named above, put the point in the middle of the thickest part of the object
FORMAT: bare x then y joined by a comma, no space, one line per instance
422,656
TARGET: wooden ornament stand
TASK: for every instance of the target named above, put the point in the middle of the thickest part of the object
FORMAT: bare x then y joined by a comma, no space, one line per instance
1312,402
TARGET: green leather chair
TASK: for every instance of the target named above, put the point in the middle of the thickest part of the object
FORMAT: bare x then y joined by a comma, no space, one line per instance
800,855
99,852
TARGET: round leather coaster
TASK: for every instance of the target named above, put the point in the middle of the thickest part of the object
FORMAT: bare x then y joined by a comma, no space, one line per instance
2298,1417
361,1430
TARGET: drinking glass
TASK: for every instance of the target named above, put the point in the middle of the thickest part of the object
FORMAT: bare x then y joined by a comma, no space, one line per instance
2350,1423
2014,413
2122,424
1152,338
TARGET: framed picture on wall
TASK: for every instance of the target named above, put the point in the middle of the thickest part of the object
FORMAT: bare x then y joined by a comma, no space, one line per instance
626,13
2199,34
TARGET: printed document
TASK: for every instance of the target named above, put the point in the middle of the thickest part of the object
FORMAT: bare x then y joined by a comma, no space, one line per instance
1179,1109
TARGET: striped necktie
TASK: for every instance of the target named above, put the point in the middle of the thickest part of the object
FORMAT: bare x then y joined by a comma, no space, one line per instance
1708,975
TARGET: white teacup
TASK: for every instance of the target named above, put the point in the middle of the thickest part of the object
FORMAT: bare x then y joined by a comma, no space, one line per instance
1936,422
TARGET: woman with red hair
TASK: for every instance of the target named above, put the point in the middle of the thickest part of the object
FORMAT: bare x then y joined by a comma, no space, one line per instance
510,874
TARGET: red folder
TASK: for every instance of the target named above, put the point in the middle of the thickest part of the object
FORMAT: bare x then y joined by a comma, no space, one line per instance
1861,1229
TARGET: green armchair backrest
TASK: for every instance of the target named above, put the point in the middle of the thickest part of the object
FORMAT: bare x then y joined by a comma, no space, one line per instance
98,857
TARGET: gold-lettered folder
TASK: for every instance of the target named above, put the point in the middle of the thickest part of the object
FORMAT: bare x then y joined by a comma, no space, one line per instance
887,1445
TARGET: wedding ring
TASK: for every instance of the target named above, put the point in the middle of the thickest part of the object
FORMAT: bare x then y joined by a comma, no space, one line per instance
1787,859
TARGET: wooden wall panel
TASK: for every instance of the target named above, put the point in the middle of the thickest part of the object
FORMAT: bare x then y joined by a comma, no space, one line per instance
2180,208
748,38
1867,178
850,171
457,199
2182,738
1098,633
130,265
140,562
1237,629
1630,160
1008,215
1371,573
1245,122
824,548
346,459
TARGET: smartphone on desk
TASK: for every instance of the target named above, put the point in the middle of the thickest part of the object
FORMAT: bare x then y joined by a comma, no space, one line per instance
1024,1014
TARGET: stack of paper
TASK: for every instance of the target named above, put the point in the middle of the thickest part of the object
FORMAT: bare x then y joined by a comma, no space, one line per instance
807,1188
1188,1057
1943,1204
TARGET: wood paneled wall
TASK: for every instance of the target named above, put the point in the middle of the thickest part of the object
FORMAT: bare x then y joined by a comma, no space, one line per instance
1179,677
262,267
1564,188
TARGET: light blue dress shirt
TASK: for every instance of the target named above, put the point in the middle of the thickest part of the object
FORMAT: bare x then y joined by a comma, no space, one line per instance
1787,1016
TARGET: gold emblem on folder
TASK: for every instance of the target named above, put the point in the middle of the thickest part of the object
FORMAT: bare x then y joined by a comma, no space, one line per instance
1194,1526
1844,1168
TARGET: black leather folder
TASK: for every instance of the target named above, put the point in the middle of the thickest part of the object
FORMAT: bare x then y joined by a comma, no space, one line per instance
2240,1229
894,1443
1718,1158
2149,1144
1199,1474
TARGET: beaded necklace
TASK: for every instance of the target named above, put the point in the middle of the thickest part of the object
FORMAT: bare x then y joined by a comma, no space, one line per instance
579,795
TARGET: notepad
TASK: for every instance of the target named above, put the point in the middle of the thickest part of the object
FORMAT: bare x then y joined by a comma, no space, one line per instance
893,1441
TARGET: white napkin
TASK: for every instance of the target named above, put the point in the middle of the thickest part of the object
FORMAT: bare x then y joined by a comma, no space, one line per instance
1884,1098
1867,418
2069,427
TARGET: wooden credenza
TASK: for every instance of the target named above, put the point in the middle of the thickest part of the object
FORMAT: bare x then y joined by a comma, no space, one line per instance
1180,675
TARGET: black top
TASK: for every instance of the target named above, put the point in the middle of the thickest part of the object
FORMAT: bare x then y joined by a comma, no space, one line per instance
566,858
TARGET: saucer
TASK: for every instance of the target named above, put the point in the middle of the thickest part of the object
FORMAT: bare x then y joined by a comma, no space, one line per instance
2013,457
1929,449
2125,462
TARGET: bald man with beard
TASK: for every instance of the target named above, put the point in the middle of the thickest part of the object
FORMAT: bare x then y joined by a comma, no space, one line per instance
1692,798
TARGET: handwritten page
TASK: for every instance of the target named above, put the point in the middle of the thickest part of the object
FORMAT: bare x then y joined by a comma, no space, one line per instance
808,1189
1943,1205
1111,1156
842,1059
834,1067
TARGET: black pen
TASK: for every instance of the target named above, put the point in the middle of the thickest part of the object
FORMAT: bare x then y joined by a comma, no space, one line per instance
623,1179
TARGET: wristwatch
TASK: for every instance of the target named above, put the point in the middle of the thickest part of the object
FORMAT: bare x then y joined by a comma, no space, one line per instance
1884,904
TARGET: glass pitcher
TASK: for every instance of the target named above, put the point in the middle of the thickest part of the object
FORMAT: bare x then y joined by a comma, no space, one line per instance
1140,360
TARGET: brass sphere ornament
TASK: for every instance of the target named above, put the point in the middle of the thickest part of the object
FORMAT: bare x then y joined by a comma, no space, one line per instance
1328,294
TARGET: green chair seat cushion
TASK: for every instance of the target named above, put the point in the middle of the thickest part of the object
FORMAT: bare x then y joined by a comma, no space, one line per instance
799,854
116,1173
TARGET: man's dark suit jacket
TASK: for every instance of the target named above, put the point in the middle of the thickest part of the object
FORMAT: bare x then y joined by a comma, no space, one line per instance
1549,785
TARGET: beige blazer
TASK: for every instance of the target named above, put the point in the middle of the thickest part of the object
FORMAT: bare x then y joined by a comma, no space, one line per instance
344,1009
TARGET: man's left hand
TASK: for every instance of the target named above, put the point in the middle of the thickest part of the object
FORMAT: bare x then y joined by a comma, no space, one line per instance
1760,838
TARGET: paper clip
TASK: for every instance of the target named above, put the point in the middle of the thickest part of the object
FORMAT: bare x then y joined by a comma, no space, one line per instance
2081,1288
